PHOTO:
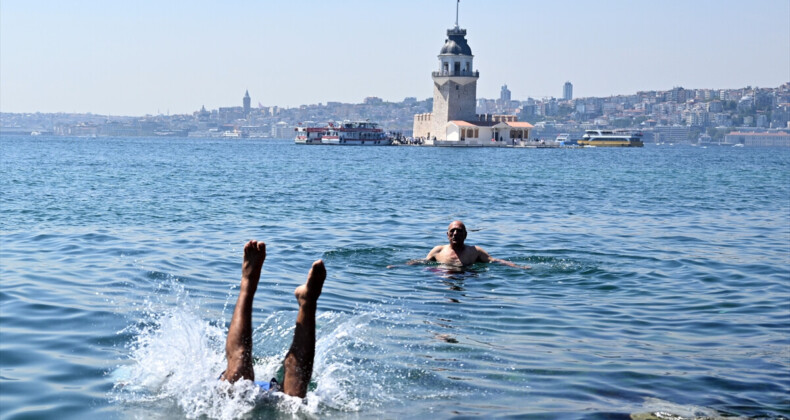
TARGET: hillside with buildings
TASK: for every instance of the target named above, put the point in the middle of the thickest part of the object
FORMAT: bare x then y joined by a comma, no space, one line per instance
677,115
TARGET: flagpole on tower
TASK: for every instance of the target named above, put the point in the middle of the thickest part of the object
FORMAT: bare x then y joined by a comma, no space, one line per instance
458,3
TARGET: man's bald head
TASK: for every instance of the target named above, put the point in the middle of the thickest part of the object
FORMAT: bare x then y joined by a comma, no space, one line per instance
456,233
458,224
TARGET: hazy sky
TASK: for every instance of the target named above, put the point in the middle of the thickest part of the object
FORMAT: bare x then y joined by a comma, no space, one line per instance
139,57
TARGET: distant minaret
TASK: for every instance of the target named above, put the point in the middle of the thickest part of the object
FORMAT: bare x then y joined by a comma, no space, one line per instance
246,102
455,84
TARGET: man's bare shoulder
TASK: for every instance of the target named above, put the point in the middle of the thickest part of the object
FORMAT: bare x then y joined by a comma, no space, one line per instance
482,255
435,251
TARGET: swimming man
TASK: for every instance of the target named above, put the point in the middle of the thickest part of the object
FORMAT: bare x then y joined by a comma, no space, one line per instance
458,254
298,363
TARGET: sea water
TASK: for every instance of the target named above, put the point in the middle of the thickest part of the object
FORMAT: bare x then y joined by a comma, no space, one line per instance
660,279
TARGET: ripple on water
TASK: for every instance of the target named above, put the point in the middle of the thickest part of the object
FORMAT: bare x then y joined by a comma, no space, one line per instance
659,278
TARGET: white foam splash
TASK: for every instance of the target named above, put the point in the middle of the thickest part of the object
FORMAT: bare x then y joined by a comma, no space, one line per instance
667,410
176,358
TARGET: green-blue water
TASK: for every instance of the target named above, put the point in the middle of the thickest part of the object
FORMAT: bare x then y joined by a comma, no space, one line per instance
660,279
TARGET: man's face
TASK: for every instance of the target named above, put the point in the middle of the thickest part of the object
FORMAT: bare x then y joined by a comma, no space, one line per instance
456,233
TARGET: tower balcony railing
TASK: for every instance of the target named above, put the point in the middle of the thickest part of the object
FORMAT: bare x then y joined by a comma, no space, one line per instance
452,73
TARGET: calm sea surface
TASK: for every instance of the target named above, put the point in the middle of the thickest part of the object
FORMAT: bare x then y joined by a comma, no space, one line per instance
660,279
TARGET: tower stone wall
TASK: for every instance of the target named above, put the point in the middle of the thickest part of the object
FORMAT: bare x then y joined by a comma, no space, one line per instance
452,100
423,127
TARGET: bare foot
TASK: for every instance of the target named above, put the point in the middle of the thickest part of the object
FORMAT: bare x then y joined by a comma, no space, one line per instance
311,290
254,255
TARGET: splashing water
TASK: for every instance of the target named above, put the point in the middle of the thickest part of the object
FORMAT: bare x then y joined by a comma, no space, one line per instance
176,357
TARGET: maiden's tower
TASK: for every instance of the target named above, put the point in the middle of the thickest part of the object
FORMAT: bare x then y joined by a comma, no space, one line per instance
454,121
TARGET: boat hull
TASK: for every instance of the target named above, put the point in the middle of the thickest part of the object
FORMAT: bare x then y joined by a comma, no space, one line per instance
349,142
612,143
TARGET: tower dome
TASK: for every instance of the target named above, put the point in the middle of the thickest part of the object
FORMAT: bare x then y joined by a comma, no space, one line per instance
455,57
456,43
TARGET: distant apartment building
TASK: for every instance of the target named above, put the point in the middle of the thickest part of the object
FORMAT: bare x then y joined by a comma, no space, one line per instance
671,134
677,94
610,107
746,103
780,117
762,121
527,111
759,139
231,113
567,91
707,94
715,106
697,119
720,119
282,130
485,106
504,96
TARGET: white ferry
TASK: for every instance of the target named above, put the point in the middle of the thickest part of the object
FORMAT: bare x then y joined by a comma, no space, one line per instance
309,135
235,134
347,133
610,138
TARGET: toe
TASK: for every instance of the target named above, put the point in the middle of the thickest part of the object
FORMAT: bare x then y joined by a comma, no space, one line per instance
317,270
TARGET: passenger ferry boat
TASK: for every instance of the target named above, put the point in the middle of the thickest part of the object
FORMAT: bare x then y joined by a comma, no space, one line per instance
610,138
309,135
347,133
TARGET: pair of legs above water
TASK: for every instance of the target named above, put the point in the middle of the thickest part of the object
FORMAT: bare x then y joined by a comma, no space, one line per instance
238,347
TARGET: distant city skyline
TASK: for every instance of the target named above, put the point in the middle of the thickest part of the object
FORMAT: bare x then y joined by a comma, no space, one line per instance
147,57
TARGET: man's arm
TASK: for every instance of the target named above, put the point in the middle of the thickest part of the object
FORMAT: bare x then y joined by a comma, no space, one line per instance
482,256
509,264
430,257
